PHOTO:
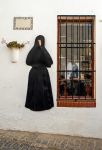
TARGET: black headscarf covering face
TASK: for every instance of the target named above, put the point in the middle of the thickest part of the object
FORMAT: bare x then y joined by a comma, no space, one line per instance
39,54
42,39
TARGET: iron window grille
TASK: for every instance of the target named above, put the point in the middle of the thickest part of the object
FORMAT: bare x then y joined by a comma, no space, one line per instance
76,70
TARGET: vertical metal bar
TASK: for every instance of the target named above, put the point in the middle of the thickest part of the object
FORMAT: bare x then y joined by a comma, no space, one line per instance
79,56
58,29
72,57
88,47
60,42
71,43
73,40
92,32
88,53
66,59
82,38
60,55
85,56
92,56
77,43
81,61
71,60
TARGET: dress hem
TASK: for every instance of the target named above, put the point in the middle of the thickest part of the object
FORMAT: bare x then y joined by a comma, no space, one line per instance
39,109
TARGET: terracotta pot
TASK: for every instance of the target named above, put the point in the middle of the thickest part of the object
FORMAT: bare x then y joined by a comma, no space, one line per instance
87,89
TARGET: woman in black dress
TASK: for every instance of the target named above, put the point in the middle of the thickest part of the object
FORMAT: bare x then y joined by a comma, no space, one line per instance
39,93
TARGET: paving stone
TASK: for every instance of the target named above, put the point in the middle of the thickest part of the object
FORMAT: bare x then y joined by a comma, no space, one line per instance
17,140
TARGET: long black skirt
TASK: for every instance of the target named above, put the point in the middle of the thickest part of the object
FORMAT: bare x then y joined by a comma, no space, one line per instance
39,93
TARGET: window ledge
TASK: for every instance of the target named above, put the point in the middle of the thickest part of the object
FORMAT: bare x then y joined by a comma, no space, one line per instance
66,103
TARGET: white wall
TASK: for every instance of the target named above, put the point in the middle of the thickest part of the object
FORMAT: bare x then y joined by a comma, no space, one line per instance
14,77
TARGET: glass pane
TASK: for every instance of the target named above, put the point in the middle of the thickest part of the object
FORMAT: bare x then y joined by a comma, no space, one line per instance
69,33
76,88
86,65
69,54
63,52
75,54
75,32
63,33
69,69
63,59
62,84
85,32
63,64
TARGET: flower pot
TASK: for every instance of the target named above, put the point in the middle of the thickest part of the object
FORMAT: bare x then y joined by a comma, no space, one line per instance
88,89
14,55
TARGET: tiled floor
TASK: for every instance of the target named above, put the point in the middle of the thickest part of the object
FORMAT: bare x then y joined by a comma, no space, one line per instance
17,140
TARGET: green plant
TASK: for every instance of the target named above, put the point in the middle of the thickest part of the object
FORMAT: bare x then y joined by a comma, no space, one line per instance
88,82
14,44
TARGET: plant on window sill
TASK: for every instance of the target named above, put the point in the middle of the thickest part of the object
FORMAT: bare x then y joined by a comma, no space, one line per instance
88,86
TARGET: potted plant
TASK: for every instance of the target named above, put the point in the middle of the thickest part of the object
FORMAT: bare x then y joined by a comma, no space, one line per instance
14,44
15,47
88,87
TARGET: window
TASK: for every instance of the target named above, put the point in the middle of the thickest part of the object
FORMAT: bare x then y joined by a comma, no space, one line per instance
76,61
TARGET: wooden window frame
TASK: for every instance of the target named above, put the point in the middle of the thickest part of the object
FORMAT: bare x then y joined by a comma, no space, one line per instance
65,101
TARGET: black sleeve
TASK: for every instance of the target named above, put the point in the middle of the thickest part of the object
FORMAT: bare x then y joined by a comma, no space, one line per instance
47,60
29,60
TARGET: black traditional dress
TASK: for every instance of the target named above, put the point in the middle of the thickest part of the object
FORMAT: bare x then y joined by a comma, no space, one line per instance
39,92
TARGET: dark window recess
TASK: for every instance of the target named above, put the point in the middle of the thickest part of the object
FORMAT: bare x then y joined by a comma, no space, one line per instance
76,72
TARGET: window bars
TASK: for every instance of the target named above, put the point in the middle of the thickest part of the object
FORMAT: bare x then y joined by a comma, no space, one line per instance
76,71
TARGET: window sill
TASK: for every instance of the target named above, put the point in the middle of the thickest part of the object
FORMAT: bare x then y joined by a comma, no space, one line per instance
78,103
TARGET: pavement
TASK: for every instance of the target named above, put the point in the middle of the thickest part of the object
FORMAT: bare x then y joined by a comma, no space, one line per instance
21,140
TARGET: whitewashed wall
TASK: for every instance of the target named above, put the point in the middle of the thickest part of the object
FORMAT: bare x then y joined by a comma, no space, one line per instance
14,77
